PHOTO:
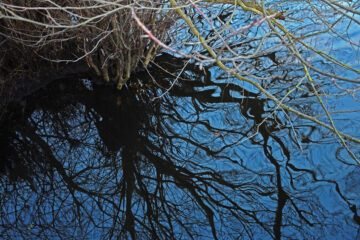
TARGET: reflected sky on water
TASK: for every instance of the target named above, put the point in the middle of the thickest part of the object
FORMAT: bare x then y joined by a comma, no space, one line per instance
185,151
210,159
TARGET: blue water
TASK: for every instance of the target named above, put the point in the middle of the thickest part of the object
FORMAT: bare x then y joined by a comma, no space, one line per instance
211,159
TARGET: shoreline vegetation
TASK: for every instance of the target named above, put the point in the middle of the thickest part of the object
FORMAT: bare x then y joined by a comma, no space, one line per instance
49,35
38,36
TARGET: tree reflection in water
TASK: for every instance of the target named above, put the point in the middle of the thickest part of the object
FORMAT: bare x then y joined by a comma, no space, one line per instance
84,163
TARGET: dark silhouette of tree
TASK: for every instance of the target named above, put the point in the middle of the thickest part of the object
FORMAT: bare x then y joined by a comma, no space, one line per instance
91,162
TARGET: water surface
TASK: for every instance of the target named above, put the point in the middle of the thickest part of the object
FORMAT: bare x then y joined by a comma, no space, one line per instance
84,161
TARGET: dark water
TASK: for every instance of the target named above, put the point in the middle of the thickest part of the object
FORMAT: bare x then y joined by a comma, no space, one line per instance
84,161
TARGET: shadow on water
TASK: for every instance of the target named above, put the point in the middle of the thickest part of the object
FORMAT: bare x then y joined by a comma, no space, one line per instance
83,161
